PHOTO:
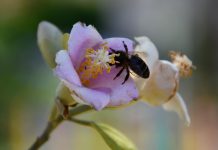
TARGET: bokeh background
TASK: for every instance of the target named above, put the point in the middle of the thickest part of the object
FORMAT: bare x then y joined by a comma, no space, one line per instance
27,84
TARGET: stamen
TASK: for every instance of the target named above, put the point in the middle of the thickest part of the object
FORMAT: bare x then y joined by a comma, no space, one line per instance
96,61
183,63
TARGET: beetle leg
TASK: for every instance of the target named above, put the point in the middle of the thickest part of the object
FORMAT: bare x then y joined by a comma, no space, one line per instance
127,75
126,48
119,73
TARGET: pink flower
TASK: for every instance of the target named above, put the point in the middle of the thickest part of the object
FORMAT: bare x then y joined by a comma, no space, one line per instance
84,68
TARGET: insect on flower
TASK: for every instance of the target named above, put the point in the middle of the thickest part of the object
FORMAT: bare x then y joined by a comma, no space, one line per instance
126,61
86,68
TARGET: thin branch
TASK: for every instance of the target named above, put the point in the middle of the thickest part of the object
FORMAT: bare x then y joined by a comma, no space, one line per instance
45,135
54,123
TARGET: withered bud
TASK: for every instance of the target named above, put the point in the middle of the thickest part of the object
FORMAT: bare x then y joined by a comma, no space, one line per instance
183,63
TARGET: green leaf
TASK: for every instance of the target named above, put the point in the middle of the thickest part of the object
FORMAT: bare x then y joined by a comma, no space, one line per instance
50,40
114,139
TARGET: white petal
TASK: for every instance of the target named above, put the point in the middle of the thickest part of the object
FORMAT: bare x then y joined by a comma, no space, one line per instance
177,104
162,84
147,51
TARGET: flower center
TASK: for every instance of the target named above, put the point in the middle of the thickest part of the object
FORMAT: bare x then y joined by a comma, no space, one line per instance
96,61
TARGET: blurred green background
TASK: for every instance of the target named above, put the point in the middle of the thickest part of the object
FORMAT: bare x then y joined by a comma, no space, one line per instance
27,84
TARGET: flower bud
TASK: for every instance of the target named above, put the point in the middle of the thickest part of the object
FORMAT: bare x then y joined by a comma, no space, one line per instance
64,95
63,99
183,63
50,40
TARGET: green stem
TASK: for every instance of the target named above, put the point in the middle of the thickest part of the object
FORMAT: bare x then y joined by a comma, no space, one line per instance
52,124
82,122
79,110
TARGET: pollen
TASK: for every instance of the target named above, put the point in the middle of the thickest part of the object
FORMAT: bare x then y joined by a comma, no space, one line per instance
183,63
96,61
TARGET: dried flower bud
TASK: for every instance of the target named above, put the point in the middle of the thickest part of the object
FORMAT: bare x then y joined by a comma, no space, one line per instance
183,63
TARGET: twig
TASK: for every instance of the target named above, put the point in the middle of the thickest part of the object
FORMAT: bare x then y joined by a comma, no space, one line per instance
82,122
54,123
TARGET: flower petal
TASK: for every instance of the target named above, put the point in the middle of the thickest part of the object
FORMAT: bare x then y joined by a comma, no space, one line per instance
119,93
162,84
81,38
64,69
95,98
177,104
117,43
147,51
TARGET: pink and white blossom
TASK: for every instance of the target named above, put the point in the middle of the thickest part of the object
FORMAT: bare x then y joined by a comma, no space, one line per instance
87,49
84,69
